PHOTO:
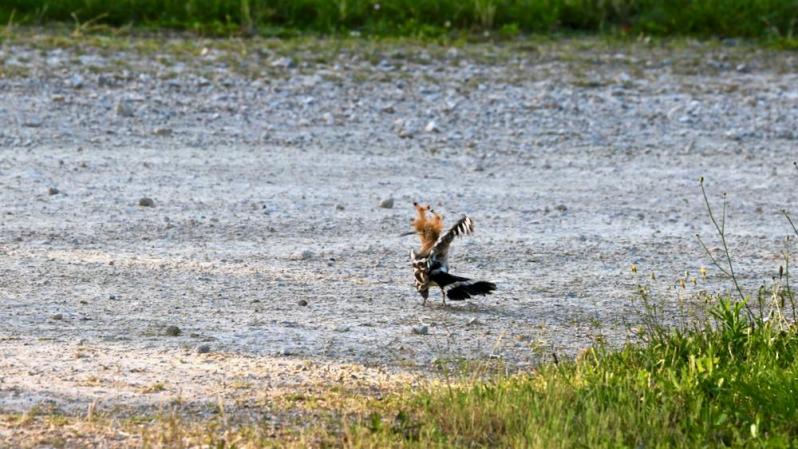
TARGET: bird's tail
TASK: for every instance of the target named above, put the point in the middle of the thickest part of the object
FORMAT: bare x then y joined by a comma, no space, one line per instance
459,288
467,289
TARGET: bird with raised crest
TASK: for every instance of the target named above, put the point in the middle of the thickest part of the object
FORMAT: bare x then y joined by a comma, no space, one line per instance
431,262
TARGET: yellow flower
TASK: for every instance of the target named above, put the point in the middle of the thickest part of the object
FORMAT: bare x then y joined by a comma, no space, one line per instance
703,272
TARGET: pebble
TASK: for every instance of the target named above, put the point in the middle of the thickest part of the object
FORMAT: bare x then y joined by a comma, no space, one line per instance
431,127
124,109
302,255
57,316
172,331
53,191
76,81
302,303
33,122
162,131
146,202
286,351
387,203
284,63
203,349
420,330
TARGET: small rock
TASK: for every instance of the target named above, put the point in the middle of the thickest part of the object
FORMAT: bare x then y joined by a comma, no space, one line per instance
57,316
58,98
302,303
341,328
76,81
339,207
286,351
389,109
387,203
146,202
162,131
203,349
420,330
284,63
53,191
172,331
302,255
561,208
432,127
472,321
124,109
33,122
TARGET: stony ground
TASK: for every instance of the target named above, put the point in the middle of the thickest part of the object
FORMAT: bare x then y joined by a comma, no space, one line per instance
263,263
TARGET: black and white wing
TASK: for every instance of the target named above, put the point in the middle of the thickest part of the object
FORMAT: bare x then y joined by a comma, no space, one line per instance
464,226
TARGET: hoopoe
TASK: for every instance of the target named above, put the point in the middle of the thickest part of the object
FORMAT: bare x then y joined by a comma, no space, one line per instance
431,262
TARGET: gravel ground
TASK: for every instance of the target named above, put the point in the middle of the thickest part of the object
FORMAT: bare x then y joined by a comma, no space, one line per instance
265,164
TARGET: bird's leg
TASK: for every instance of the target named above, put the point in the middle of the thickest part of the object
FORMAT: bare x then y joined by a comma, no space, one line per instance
443,296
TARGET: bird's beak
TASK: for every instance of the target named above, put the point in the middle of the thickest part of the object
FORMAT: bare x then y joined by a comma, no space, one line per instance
405,234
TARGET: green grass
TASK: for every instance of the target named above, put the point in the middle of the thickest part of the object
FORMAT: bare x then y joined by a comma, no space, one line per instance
733,384
739,18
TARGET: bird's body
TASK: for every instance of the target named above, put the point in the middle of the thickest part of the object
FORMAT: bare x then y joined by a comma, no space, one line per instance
431,262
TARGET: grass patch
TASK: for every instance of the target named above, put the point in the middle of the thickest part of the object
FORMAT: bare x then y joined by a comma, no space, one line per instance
732,383
504,18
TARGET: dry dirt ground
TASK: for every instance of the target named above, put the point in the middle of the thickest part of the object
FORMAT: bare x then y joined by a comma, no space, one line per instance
267,161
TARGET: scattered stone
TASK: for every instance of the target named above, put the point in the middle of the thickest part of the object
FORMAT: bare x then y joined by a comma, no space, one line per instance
341,328
33,122
286,351
302,255
58,98
162,132
76,81
432,127
420,330
53,191
389,109
203,349
302,303
472,321
561,207
57,317
146,202
172,331
284,63
124,109
404,129
339,207
387,203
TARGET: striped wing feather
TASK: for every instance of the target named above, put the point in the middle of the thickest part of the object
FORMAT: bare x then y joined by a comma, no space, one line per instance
464,226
